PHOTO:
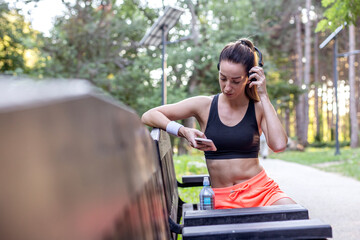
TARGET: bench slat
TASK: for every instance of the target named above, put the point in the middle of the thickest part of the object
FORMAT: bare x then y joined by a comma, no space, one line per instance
295,229
194,178
243,215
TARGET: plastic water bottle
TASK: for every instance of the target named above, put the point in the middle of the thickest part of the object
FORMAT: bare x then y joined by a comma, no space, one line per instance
206,196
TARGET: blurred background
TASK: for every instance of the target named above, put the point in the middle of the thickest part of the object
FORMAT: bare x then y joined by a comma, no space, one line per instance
98,40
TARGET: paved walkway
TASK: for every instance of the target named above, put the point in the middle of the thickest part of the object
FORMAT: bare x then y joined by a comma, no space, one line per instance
333,198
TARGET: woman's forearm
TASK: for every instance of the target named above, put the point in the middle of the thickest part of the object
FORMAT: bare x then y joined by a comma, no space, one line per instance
276,135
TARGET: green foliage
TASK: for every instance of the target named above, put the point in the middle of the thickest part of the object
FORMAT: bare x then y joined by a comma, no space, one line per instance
98,41
282,93
337,13
190,165
17,40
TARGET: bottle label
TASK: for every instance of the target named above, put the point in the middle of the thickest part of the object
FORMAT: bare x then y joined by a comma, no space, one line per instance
207,200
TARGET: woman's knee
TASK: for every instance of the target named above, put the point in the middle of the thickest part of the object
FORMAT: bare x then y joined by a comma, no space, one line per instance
284,201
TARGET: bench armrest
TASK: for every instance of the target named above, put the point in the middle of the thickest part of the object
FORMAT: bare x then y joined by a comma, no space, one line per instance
193,181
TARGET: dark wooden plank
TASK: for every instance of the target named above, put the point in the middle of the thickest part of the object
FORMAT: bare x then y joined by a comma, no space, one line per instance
164,149
244,215
75,165
295,229
193,181
194,178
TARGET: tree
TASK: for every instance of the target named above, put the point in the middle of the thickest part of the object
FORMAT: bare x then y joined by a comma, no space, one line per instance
318,86
300,127
340,12
337,13
17,41
194,80
354,139
307,72
98,41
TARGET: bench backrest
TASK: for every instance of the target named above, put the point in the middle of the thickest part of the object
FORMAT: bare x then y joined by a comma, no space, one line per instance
165,153
75,165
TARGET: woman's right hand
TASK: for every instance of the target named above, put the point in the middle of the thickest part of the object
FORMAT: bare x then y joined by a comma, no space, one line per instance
190,134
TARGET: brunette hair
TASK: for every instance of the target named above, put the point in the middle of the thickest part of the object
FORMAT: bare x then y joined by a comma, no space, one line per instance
242,51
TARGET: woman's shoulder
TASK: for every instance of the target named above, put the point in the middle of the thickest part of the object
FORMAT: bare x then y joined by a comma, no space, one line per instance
201,107
199,104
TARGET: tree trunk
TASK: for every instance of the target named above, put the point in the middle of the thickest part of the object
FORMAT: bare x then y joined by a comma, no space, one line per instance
287,120
183,146
321,104
328,112
194,81
353,117
332,115
318,85
299,79
322,114
307,73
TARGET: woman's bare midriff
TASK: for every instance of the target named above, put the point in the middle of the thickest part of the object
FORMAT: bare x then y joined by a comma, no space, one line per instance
229,172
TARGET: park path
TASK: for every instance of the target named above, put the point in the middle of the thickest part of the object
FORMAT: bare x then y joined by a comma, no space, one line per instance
333,198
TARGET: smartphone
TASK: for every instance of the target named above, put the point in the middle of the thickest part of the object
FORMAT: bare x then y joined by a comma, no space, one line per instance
207,142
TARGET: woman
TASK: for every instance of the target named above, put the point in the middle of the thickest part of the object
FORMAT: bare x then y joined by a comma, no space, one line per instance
234,120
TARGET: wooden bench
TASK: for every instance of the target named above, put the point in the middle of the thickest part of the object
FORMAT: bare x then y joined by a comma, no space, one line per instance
76,165
285,221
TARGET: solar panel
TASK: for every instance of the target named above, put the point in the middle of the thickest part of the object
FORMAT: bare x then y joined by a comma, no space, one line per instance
167,21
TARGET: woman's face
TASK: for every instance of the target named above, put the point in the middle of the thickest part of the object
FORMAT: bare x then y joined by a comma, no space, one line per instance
232,78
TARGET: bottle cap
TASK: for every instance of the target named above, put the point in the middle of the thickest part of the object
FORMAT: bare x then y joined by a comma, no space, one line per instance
206,181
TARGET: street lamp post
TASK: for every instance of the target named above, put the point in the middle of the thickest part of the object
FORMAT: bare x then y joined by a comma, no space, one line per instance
157,34
333,36
335,50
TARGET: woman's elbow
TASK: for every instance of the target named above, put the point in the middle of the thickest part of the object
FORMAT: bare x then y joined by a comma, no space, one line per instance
279,147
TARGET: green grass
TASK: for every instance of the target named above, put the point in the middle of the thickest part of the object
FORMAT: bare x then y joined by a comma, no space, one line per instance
347,163
190,165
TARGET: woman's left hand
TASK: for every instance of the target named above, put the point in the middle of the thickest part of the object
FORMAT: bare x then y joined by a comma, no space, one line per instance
258,76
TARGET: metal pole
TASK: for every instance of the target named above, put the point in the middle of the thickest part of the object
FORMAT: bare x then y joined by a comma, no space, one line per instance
163,84
337,151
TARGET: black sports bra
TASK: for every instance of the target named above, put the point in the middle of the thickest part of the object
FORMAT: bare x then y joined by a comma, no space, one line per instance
239,141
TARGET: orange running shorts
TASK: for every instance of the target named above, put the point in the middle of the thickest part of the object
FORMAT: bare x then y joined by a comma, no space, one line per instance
258,191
